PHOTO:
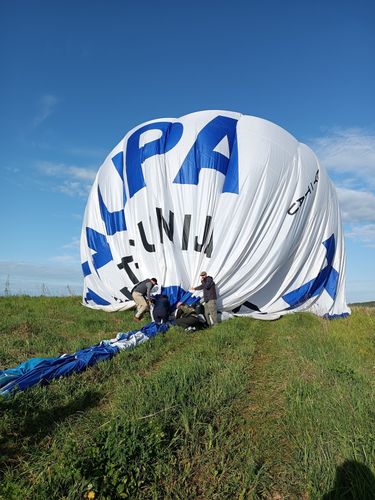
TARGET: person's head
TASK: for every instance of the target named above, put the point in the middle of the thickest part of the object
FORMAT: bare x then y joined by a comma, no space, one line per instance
154,281
203,275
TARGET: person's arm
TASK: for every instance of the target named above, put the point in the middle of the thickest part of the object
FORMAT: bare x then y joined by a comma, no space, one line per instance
149,287
200,287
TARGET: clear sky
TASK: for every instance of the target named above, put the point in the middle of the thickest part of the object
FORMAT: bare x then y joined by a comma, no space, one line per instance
77,75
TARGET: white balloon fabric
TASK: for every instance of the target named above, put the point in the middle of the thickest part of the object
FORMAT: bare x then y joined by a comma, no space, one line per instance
217,191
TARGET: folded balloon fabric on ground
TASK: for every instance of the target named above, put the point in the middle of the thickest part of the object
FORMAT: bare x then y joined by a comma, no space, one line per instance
233,195
43,370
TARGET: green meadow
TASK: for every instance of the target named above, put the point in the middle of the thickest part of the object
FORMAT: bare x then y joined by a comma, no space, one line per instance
248,409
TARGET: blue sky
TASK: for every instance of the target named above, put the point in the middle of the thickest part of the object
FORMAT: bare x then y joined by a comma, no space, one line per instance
77,75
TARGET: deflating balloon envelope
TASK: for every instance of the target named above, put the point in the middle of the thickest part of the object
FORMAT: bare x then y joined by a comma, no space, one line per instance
234,195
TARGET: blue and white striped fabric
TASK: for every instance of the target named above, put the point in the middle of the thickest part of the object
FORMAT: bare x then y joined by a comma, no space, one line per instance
43,370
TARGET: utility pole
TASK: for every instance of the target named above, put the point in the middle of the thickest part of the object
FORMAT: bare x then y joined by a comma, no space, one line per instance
7,287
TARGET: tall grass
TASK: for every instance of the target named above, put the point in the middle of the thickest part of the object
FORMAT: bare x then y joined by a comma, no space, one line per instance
247,409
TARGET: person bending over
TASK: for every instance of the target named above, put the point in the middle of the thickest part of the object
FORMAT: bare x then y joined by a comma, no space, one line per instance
161,309
141,294
188,317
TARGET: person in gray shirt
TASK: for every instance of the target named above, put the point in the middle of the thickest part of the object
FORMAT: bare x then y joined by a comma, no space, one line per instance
141,294
209,296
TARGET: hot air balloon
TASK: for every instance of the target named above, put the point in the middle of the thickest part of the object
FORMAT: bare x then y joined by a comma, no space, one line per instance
234,195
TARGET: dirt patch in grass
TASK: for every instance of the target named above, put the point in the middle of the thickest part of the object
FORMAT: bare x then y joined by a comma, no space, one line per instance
263,416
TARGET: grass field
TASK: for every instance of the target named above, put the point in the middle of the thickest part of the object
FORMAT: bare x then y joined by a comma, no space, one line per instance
248,409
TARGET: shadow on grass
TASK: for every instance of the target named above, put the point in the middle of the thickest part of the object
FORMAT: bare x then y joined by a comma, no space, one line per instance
37,424
353,481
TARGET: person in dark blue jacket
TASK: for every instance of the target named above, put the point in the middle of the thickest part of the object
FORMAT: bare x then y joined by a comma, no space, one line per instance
162,308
